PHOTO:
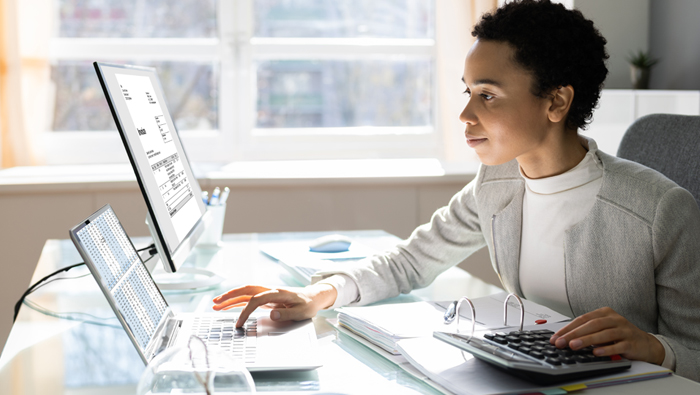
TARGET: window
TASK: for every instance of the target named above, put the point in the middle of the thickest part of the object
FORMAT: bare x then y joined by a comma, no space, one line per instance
254,79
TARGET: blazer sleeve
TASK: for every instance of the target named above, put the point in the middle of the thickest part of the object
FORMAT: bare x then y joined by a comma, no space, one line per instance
453,233
676,235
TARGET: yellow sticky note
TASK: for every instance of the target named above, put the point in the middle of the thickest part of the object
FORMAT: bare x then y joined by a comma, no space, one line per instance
574,387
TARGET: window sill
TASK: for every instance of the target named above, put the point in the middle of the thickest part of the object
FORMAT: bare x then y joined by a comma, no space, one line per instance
263,173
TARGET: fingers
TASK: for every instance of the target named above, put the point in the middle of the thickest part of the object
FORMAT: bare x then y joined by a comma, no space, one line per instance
247,290
227,304
296,313
270,296
585,324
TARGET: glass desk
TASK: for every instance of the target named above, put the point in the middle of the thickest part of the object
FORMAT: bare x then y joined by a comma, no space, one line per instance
49,355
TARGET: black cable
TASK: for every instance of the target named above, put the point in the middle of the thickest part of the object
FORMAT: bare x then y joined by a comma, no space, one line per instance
153,245
36,285
151,250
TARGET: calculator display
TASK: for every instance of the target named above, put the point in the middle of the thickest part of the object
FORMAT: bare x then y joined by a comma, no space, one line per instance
123,274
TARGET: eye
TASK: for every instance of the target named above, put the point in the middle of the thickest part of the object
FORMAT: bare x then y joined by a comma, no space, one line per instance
467,92
486,97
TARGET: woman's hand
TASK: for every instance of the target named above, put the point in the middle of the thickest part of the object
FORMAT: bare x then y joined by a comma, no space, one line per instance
610,334
287,304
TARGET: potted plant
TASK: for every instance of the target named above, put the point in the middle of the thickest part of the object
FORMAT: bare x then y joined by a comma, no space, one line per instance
640,68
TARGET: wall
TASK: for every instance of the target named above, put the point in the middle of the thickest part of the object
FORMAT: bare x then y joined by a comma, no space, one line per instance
625,24
673,38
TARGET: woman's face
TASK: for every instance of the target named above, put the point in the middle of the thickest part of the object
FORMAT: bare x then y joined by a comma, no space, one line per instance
504,120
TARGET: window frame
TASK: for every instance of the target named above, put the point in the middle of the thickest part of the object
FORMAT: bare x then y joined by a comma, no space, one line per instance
237,139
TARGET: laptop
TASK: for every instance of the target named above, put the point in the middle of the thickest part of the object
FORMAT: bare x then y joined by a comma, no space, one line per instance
262,344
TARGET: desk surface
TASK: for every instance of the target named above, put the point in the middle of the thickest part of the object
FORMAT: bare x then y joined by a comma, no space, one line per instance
48,355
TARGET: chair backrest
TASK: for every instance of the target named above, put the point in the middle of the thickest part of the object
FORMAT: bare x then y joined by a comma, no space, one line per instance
669,144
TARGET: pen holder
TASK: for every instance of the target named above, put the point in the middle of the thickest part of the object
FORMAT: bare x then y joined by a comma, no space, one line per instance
212,235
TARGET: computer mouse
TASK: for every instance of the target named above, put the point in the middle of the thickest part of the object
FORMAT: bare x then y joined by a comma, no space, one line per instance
330,243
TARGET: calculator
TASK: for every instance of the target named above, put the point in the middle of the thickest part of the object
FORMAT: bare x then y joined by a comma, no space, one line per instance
528,354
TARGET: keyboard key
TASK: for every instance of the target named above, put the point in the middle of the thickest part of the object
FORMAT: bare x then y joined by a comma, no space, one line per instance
500,340
536,354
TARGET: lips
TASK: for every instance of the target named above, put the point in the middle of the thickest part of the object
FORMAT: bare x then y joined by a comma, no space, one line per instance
474,141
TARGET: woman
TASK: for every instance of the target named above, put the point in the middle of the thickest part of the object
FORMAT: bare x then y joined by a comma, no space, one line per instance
605,240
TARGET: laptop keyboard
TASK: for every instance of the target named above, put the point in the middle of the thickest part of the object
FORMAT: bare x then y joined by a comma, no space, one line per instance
241,343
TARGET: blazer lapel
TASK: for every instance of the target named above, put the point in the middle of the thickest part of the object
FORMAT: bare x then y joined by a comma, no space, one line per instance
506,228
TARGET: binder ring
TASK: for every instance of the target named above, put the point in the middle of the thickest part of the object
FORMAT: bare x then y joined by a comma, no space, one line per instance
471,306
505,310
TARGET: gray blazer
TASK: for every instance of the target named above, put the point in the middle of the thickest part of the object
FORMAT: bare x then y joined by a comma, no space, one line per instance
637,251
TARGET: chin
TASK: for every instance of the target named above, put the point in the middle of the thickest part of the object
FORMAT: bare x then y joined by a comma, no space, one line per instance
491,161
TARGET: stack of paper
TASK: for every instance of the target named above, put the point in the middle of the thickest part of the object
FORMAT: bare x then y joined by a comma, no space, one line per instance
385,325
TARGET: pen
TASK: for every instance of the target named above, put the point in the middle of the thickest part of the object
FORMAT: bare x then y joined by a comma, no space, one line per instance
224,196
215,197
205,197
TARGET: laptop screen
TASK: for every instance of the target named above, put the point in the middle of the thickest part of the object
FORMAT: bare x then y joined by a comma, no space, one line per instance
121,274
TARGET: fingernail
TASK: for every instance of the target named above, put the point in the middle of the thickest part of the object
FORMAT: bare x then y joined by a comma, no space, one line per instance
561,342
275,315
598,351
553,339
575,343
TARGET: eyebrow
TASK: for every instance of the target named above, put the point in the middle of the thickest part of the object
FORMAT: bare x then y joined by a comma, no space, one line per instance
485,81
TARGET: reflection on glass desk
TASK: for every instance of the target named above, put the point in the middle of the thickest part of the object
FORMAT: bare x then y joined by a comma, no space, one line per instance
50,355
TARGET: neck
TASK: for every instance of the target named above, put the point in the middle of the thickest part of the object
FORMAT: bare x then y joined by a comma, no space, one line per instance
553,156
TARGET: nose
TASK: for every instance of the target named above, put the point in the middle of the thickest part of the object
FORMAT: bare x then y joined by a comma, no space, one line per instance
467,115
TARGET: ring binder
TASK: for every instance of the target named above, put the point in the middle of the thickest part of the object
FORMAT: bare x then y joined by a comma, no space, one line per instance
505,310
453,309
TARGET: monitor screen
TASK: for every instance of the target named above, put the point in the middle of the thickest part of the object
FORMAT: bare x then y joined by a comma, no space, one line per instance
163,172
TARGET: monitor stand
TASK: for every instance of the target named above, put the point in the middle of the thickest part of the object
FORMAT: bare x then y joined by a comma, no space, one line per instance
184,278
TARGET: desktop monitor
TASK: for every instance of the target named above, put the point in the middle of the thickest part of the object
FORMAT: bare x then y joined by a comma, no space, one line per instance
176,214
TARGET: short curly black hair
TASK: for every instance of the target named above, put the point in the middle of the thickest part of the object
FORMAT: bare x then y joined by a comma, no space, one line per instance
559,46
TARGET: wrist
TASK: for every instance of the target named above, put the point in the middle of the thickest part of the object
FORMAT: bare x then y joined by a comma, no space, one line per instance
324,295
658,353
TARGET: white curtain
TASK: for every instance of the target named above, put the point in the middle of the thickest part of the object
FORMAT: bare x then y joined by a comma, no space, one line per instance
25,79
454,22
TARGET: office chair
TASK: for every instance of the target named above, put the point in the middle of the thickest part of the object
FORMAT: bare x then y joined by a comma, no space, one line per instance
669,144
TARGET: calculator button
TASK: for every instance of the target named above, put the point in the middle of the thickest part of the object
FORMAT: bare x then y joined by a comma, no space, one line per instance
566,352
553,361
513,339
536,354
582,358
500,340
524,349
543,332
568,360
489,336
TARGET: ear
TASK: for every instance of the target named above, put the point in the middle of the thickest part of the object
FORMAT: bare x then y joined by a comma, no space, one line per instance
561,99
